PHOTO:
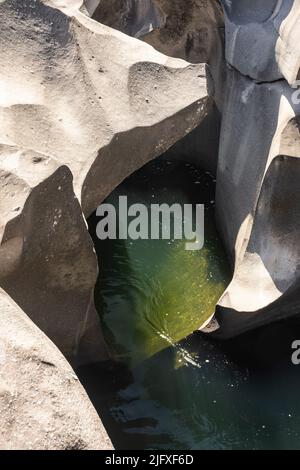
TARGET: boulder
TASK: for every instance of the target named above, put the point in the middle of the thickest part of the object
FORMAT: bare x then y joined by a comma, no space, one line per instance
82,106
192,30
43,405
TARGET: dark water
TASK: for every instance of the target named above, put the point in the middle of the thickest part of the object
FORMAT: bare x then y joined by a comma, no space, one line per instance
166,388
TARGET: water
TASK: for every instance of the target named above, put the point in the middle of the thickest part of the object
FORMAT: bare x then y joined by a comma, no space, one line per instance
166,388
153,293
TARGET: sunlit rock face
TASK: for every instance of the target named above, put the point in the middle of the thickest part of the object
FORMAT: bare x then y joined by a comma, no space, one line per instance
259,140
257,202
43,405
192,30
189,30
81,107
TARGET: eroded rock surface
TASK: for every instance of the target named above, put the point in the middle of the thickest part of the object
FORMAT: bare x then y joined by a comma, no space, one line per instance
192,30
82,106
43,405
263,38
258,205
257,202
133,17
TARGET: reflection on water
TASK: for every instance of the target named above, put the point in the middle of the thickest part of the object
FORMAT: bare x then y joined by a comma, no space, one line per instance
153,293
161,391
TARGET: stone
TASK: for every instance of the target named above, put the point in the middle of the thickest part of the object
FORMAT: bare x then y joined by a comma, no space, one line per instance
43,405
257,203
192,30
74,123
132,17
47,260
263,38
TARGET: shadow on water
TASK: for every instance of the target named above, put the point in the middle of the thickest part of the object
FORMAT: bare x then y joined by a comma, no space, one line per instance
201,394
171,392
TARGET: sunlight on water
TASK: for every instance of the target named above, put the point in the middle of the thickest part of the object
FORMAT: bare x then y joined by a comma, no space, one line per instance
154,293
162,393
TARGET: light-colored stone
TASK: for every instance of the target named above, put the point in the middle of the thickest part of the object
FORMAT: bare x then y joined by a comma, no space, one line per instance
43,405
192,30
257,203
263,38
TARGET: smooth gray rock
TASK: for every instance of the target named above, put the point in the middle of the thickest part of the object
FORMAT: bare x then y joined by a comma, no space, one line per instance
257,203
43,405
82,106
133,17
263,38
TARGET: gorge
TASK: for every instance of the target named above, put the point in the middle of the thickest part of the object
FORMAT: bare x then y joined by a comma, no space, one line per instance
91,93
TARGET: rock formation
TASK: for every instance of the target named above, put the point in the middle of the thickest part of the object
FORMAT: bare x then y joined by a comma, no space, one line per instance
135,18
189,30
192,30
257,204
82,106
262,38
43,406
259,139
258,168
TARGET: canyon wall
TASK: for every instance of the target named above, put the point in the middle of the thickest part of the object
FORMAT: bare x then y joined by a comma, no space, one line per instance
82,106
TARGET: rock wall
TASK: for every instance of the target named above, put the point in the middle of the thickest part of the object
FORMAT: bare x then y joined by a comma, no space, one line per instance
262,38
43,406
81,108
259,139
257,198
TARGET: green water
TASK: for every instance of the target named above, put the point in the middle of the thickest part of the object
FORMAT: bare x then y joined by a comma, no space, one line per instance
153,293
166,388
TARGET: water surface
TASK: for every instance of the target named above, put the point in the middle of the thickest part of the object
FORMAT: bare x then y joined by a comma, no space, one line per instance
164,387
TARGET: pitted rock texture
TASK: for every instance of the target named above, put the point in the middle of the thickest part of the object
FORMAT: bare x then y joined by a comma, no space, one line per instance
192,30
82,106
43,405
189,30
